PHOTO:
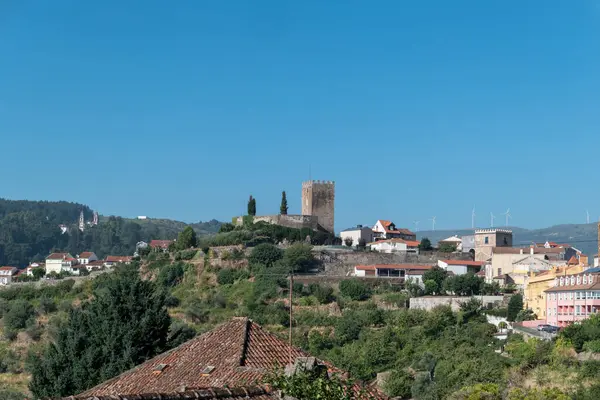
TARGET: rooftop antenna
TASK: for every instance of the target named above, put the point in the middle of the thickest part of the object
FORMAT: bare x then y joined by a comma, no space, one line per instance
432,219
492,217
587,214
416,225
507,216
473,219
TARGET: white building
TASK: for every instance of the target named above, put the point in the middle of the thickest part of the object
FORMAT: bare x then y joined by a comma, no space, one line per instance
461,267
387,230
452,241
112,260
6,274
60,262
34,265
356,234
391,271
395,246
87,257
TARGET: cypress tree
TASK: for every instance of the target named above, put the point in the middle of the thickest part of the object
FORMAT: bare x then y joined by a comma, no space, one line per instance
252,206
284,207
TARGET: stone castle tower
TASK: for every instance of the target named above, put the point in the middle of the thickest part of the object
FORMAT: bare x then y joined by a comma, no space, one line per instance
318,200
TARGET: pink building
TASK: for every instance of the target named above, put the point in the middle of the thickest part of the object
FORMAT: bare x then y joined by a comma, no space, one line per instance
573,298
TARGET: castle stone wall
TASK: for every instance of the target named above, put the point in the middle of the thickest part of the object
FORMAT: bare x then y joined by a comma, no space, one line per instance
290,221
318,200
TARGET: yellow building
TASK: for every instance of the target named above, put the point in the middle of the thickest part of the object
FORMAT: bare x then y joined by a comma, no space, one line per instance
535,296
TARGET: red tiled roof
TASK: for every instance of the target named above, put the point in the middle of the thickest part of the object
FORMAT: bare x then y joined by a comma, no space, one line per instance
393,266
481,273
86,254
161,243
237,393
118,259
409,243
237,353
58,256
573,261
464,262
386,225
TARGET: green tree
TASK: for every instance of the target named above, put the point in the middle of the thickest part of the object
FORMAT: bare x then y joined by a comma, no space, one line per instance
355,289
425,244
124,325
447,248
252,206
265,254
187,238
431,287
515,305
502,326
348,241
437,275
38,273
526,315
283,209
17,316
299,257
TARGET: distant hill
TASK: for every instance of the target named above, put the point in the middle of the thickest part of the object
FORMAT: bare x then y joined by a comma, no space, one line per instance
581,236
29,230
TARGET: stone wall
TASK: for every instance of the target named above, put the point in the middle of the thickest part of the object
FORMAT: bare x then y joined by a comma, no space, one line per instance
290,221
318,200
342,261
429,302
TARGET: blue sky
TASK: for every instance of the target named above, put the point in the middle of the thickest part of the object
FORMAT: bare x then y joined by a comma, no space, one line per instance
183,109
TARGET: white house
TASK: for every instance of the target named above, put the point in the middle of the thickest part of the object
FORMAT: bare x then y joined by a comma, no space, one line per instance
60,262
6,274
356,234
461,267
395,245
387,230
34,265
452,241
87,257
391,270
111,260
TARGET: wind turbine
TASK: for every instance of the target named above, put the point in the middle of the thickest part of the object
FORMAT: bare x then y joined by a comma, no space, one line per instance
416,225
432,219
587,214
492,217
473,219
507,215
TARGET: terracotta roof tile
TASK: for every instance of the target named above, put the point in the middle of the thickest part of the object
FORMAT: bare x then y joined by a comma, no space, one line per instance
161,243
118,259
409,243
237,393
58,256
86,254
393,266
8,268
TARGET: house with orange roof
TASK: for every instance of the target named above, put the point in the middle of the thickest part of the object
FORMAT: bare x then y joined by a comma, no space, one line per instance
401,271
395,246
7,274
384,229
61,262
87,257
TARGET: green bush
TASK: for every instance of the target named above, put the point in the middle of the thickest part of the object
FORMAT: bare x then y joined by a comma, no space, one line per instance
355,289
324,294
265,254
171,275
228,276
593,346
16,318
47,305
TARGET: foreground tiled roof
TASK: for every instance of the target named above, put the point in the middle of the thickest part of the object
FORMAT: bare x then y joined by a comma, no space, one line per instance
234,354
409,243
464,262
86,254
240,393
58,256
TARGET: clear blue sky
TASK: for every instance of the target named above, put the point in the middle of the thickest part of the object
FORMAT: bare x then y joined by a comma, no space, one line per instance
415,108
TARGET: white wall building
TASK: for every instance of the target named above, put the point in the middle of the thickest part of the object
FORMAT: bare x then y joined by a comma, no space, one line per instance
87,257
461,267
395,246
6,274
356,234
60,262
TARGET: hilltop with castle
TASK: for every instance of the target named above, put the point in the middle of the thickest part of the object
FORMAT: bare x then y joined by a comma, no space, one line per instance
318,198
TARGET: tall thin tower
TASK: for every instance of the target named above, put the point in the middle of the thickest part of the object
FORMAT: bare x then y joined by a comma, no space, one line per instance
81,221
95,220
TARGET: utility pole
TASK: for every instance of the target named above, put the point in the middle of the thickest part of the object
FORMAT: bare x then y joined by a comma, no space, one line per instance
291,313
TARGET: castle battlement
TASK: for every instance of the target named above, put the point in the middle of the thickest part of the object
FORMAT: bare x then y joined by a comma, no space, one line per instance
317,182
493,230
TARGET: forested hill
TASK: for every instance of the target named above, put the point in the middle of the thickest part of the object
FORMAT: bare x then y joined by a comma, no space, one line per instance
29,230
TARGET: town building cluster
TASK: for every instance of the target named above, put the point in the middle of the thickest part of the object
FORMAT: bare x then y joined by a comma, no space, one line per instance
67,264
556,280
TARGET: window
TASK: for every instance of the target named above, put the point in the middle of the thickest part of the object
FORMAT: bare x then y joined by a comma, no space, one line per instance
584,279
486,240
505,241
499,272
570,295
578,280
577,310
577,295
572,280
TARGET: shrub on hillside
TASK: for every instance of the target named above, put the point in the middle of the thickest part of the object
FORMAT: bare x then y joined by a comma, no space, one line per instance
228,276
47,305
355,289
299,257
171,275
265,254
324,294
16,318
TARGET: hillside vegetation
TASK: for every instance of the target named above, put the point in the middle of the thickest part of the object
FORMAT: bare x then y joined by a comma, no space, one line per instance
29,231
62,339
